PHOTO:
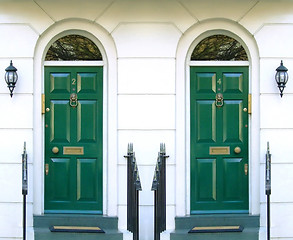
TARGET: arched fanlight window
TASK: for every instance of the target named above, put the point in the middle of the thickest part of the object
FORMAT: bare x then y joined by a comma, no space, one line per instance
73,48
219,48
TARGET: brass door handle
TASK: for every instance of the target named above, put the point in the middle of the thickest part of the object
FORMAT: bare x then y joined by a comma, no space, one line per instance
55,150
237,150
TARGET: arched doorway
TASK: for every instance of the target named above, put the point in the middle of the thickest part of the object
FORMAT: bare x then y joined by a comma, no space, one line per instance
219,79
73,127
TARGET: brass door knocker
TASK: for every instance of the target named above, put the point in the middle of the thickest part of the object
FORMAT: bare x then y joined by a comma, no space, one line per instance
219,100
73,100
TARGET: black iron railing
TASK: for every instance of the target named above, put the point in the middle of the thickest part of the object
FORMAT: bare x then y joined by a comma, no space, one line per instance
24,187
159,188
133,188
268,175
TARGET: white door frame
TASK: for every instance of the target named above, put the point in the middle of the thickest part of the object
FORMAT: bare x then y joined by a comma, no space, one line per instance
108,50
185,48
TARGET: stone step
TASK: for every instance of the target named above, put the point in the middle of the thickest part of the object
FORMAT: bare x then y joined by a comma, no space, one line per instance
249,223
247,234
44,222
103,222
46,234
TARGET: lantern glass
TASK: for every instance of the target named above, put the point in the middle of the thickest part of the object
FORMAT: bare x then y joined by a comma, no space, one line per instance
281,77
11,77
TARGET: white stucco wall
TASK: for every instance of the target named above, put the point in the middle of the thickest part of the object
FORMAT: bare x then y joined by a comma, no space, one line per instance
146,46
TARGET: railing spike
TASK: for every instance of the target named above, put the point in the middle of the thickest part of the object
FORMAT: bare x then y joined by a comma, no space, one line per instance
162,148
130,148
268,146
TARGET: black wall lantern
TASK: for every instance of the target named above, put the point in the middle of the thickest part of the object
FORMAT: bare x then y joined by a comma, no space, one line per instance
11,77
281,77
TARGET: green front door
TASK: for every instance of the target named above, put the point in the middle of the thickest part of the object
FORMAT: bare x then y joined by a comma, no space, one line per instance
73,139
219,139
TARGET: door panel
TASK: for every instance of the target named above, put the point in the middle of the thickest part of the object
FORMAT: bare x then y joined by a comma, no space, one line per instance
219,183
86,185
206,172
60,121
206,82
206,121
60,82
86,82
87,121
60,185
233,169
73,173
232,117
233,82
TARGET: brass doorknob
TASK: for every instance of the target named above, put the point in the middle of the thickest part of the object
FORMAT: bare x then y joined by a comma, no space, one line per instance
55,150
237,150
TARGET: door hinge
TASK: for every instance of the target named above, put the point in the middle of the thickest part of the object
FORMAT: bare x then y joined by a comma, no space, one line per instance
43,103
249,103
245,169
47,169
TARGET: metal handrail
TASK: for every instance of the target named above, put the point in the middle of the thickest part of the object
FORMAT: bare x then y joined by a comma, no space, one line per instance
159,188
133,188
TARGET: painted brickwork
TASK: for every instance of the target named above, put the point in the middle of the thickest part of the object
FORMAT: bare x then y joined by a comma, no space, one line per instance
146,46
